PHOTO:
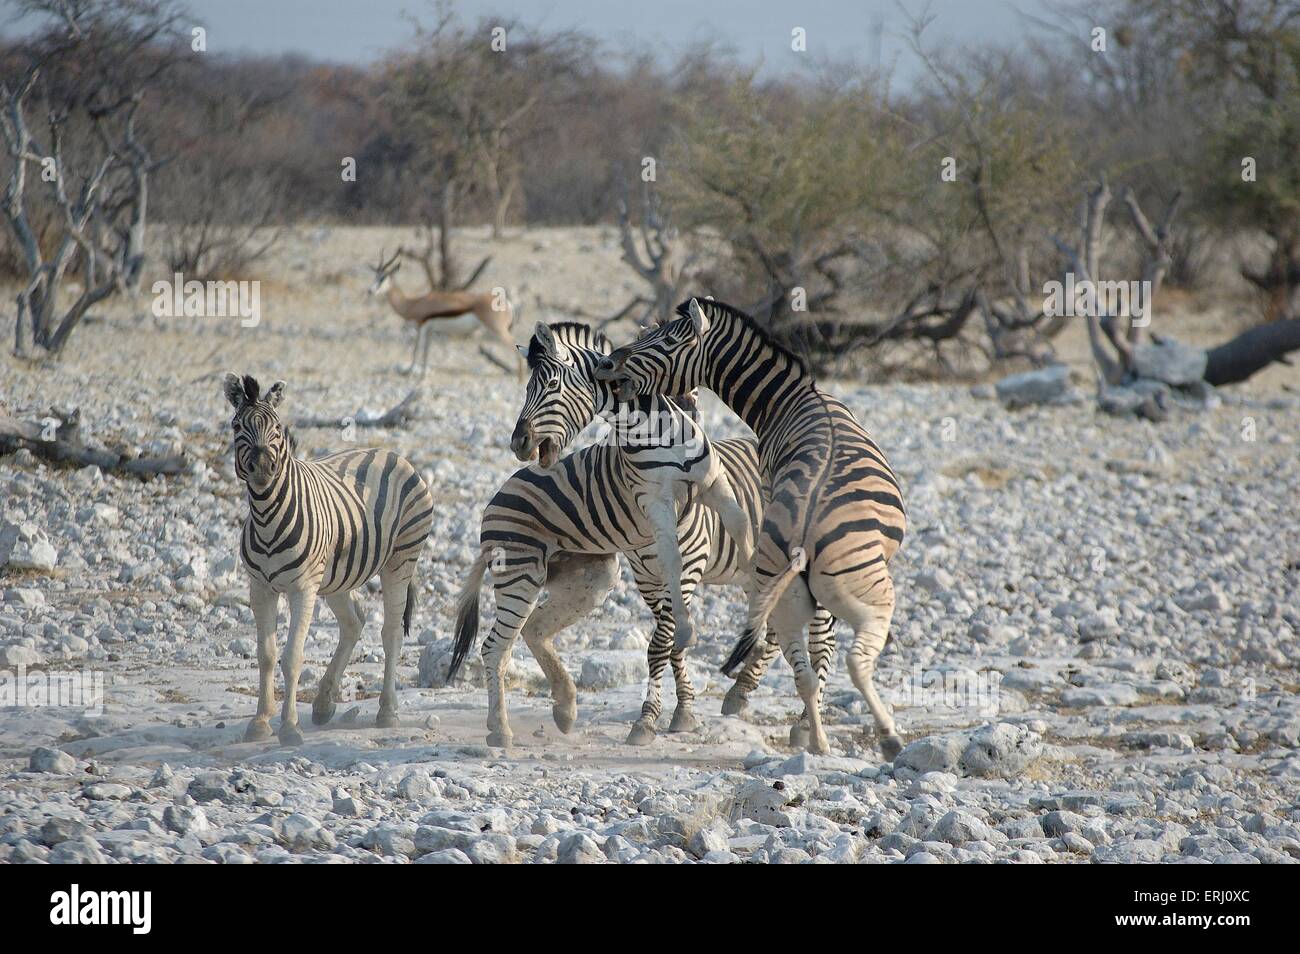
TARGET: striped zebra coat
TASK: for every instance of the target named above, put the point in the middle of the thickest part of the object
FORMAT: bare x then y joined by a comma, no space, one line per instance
560,526
321,528
834,516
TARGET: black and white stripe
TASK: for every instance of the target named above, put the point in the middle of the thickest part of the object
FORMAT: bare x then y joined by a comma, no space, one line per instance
322,527
834,516
560,526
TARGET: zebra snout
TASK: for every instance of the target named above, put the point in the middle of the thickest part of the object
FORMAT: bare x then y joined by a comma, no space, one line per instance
523,442
606,366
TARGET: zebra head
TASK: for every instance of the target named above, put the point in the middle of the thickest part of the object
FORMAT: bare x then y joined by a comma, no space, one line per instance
560,400
262,442
664,360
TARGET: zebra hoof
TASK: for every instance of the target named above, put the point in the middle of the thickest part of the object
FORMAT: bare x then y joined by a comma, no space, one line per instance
735,701
799,735
565,715
258,730
819,744
890,746
387,719
322,714
290,735
642,733
683,721
500,740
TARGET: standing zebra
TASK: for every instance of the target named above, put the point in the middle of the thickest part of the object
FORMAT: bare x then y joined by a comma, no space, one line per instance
321,527
834,514
561,526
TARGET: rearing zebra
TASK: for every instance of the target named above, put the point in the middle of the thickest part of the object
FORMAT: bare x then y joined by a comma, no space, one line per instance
560,527
834,515
321,527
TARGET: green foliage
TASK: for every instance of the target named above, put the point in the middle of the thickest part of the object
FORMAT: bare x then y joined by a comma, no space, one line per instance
782,178
1269,133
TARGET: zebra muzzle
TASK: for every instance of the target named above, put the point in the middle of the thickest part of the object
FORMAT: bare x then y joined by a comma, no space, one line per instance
523,443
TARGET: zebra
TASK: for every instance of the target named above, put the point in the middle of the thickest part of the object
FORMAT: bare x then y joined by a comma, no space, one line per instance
834,514
321,527
561,526
666,456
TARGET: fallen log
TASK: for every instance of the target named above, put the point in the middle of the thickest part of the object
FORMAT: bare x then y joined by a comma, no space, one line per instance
400,415
1251,351
57,438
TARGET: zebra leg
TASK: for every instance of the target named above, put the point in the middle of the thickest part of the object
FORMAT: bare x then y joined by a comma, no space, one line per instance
821,650
736,700
719,495
684,714
265,602
792,613
395,588
663,517
871,631
301,604
348,613
657,654
516,597
577,585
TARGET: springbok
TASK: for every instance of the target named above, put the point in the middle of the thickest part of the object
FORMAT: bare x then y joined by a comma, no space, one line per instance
453,312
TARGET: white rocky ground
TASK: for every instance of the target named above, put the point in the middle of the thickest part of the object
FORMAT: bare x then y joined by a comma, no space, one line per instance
1125,592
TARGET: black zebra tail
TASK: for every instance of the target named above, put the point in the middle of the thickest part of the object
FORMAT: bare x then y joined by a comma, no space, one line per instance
409,611
741,651
467,616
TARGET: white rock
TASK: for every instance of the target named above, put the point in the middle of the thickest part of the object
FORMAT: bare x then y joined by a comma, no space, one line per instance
53,761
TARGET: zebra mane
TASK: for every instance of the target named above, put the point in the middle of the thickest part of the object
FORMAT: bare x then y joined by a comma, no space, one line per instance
731,311
574,334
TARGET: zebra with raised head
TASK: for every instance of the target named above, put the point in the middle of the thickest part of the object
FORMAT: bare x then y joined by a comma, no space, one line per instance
560,526
321,528
834,513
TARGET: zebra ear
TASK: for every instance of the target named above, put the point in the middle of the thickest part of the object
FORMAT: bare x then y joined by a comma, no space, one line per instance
233,387
542,332
522,349
699,320
275,395
551,346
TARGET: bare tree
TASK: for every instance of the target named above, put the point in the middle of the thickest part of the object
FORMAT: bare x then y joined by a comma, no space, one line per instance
658,257
89,151
1114,333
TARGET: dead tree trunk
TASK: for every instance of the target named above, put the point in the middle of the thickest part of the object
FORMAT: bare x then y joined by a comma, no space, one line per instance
1251,351
1113,337
655,258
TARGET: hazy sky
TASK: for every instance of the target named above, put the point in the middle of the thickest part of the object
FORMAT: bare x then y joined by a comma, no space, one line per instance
360,30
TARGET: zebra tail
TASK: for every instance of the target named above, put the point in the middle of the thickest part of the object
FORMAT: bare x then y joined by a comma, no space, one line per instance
740,652
467,615
761,608
409,611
